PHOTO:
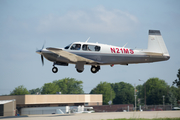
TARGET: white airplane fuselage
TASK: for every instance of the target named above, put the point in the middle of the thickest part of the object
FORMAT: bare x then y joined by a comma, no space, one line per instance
108,55
95,54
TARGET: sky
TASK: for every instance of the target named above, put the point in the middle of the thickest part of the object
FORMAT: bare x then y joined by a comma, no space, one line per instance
25,25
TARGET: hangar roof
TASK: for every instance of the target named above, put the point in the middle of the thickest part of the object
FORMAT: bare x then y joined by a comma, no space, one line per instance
6,101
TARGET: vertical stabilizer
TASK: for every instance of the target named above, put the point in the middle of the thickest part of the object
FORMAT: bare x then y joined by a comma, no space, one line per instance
156,43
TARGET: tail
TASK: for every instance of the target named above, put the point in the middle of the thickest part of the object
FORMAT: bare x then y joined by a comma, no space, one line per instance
156,43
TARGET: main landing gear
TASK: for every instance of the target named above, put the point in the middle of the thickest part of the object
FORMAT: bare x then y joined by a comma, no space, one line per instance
95,69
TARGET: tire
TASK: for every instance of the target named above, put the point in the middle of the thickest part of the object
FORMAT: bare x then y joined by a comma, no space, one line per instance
54,69
95,69
79,71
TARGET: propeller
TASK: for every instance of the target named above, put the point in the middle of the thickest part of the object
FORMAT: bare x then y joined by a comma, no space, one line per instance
42,59
40,52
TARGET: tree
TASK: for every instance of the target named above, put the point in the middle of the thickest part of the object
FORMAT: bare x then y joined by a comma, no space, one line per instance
20,90
124,93
34,91
140,95
50,88
175,94
70,86
105,89
155,89
172,98
140,91
177,82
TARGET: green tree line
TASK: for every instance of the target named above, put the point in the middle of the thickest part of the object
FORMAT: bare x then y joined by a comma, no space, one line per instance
65,86
119,93
123,93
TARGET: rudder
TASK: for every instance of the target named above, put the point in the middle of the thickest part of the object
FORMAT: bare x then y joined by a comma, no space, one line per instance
156,43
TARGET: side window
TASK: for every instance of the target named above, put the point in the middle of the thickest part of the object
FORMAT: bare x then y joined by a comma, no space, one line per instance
97,48
86,47
76,47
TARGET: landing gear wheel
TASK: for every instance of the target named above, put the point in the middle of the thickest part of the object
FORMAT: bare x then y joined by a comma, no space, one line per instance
79,71
95,69
54,69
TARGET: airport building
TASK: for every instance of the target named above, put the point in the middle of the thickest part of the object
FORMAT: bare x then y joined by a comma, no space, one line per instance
7,107
55,100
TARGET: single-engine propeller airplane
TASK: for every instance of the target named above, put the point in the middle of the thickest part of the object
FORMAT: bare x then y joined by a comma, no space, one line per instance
95,54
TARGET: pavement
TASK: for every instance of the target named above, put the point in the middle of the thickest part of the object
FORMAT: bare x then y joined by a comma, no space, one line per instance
99,116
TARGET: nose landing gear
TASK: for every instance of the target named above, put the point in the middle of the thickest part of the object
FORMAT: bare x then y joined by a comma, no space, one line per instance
54,69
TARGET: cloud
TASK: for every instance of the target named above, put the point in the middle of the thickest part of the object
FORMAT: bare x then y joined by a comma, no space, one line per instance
99,20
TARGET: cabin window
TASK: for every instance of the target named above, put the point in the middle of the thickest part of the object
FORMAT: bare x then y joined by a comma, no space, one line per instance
67,47
86,47
76,47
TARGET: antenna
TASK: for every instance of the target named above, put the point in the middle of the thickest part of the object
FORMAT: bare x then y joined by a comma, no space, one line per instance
87,39
124,45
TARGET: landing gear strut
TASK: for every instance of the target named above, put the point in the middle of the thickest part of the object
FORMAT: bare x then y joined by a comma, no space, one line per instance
95,69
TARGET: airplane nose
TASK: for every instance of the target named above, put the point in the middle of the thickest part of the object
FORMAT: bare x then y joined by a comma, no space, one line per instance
39,51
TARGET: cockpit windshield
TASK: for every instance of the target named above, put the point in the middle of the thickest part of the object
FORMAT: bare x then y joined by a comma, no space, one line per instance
67,47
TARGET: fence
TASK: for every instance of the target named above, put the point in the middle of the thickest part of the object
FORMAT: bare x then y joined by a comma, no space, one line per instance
114,108
155,107
130,107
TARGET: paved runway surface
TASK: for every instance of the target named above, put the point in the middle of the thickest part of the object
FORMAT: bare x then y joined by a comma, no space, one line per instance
100,116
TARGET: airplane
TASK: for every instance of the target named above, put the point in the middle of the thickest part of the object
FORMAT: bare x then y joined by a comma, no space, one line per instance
95,54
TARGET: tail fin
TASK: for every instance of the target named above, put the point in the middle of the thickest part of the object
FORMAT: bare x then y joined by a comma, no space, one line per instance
156,43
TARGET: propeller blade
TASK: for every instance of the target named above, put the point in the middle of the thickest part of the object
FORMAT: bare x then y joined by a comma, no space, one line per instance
40,52
43,44
42,59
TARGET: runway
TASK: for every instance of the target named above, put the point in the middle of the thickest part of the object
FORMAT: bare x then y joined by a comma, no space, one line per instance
100,116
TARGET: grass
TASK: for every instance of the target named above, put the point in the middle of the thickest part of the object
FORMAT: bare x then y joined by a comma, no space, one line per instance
146,119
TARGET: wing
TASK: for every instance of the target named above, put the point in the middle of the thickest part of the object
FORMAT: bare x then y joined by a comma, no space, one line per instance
70,56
